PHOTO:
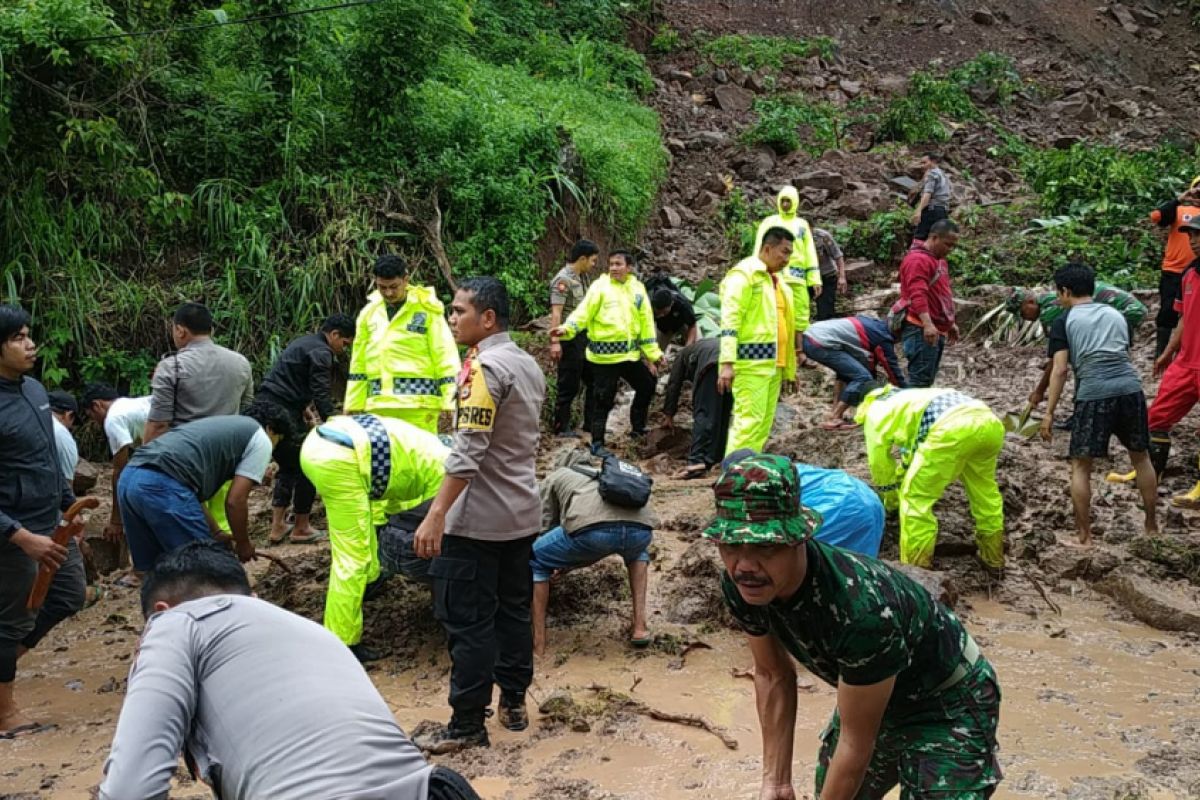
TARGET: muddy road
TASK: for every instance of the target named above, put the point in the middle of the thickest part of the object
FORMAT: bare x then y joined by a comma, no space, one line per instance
1096,704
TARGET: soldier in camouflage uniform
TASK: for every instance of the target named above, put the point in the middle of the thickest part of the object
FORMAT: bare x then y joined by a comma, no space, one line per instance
917,704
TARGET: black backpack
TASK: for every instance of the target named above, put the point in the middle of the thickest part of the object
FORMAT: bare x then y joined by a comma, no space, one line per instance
621,483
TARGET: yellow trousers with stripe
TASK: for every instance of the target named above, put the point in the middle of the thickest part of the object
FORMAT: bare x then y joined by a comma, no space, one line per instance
354,550
755,395
962,445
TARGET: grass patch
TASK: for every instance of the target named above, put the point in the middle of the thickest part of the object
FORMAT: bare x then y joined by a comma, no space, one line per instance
757,52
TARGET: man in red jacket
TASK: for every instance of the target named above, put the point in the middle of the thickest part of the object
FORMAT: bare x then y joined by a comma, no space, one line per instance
926,295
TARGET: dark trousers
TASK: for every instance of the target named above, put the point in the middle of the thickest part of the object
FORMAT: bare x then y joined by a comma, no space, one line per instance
574,373
482,592
923,359
19,626
827,302
710,420
929,215
1168,290
605,380
446,784
292,486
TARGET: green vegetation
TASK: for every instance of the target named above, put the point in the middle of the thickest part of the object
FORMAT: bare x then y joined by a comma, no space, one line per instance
792,122
756,52
260,167
739,220
928,110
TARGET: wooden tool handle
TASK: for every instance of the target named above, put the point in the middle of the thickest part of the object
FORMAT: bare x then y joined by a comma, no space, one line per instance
66,530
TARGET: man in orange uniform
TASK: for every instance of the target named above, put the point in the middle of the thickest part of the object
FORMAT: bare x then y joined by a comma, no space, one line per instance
1176,258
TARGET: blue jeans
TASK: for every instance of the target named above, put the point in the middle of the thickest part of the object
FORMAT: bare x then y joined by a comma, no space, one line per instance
159,514
849,370
555,550
923,359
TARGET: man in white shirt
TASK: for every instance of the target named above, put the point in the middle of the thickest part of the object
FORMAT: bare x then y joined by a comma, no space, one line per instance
63,411
123,420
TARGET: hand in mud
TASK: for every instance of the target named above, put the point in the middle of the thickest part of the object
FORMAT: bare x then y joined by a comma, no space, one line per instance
725,378
777,792
114,532
1047,428
555,352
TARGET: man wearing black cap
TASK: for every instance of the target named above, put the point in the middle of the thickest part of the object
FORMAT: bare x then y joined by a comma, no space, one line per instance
917,704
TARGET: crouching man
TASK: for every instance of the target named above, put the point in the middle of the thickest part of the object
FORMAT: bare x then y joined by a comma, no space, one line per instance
318,728
582,528
917,704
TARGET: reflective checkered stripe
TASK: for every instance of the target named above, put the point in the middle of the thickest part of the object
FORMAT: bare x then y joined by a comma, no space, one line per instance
936,408
381,453
611,348
728,332
419,386
756,352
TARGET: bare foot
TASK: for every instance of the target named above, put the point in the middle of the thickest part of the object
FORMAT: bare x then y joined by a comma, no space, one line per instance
276,535
13,721
1151,530
1085,542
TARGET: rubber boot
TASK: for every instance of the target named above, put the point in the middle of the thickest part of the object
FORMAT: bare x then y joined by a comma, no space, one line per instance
1161,339
1189,500
1160,449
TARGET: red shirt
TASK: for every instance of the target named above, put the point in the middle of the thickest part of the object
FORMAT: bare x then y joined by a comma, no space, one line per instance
1187,303
925,288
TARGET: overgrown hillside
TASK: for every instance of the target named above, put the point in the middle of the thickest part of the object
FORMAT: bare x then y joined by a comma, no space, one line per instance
257,158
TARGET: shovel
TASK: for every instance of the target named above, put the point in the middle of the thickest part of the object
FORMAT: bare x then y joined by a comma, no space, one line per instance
1021,424
70,527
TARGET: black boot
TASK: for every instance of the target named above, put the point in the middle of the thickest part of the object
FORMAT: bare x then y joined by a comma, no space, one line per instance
463,731
1162,336
1160,449
513,715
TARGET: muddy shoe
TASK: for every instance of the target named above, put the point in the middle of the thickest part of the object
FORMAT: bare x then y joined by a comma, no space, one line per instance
375,588
437,739
512,714
365,654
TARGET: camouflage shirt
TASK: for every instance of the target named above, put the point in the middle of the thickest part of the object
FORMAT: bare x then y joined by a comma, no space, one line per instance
568,288
1106,294
857,620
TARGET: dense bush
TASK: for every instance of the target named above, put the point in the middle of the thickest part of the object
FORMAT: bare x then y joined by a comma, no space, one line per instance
757,52
259,167
927,111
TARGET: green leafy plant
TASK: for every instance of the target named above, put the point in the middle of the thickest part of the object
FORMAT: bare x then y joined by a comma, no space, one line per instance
756,52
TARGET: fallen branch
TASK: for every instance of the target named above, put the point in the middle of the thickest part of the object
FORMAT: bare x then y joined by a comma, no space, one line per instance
626,703
1053,606
274,559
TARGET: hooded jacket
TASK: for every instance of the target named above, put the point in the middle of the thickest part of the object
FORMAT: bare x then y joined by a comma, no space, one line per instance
409,361
33,492
804,268
749,322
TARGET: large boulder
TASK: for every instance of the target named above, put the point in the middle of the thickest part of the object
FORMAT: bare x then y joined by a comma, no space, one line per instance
936,583
86,475
1160,606
824,179
862,200
733,98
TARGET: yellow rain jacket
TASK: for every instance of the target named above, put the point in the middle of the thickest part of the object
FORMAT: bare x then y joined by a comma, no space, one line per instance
406,364
941,436
618,320
366,467
804,268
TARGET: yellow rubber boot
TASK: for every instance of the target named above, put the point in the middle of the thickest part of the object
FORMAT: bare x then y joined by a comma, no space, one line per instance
1189,500
1121,477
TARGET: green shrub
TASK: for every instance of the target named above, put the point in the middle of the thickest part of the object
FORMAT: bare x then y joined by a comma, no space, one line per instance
883,238
790,122
756,52
924,113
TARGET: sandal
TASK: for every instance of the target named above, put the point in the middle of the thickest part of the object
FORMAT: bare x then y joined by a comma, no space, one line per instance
315,536
691,472
28,729
274,542
128,581
92,595
641,643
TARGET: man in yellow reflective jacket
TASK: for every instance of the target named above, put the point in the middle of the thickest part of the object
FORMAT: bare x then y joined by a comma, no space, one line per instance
758,340
803,272
366,467
404,359
622,343
942,435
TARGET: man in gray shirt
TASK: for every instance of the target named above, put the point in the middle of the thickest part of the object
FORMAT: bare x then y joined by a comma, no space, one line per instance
489,512
934,203
166,483
1093,340
317,729
200,379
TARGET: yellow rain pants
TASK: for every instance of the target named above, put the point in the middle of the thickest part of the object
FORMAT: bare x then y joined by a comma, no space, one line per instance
755,395
354,552
963,443
216,506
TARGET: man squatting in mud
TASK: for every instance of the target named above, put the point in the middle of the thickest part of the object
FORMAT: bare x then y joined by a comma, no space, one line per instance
917,703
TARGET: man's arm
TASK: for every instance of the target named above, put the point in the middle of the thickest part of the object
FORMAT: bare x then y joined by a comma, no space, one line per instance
237,512
156,714
115,529
684,365
1039,391
319,373
162,399
914,288
775,697
1164,215
861,709
358,384
555,321
550,511
648,333
1058,379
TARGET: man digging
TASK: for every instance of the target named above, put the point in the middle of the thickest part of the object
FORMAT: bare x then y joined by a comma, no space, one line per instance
917,703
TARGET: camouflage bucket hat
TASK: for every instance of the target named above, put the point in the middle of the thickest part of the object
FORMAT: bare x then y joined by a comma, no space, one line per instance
1013,303
758,502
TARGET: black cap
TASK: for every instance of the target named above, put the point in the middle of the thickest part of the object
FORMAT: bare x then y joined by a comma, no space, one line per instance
63,401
